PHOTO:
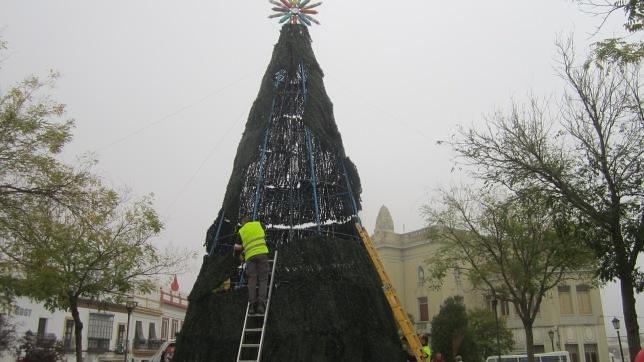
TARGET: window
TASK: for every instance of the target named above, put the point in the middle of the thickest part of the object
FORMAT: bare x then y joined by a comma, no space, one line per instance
68,334
423,308
421,277
573,349
139,338
502,305
458,281
165,322
175,329
490,305
25,312
98,344
42,328
565,302
583,299
120,335
505,307
99,332
538,348
590,353
152,331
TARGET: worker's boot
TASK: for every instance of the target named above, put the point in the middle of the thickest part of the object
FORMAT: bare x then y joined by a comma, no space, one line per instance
252,308
260,309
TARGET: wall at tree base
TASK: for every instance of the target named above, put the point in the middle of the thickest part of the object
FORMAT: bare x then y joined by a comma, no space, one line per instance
327,305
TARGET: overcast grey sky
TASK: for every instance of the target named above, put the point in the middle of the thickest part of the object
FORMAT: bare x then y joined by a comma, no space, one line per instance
161,89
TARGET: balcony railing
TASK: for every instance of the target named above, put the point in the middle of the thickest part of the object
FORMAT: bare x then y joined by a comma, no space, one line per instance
98,345
149,344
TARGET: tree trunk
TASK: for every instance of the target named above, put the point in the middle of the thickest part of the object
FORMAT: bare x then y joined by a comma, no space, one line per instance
529,340
78,329
630,314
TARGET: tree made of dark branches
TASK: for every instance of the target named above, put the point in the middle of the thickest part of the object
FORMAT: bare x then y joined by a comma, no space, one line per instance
292,174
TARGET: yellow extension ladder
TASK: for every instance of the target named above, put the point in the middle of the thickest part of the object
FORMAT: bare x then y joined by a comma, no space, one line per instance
399,313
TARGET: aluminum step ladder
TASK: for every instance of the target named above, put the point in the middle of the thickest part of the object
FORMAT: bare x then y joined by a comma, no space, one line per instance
252,337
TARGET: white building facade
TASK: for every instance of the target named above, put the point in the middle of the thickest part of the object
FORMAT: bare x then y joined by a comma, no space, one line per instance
157,318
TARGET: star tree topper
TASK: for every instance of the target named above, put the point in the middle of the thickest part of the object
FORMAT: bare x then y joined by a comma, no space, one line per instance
297,11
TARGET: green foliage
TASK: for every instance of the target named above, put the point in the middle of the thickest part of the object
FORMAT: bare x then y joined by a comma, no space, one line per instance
519,246
102,251
515,247
30,136
587,155
7,334
483,327
450,334
616,50
619,50
64,236
62,233
32,133
634,10
40,349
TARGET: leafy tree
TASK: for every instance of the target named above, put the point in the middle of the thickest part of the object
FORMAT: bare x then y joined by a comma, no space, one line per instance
40,349
516,248
64,236
619,50
450,334
32,133
633,9
7,334
588,154
100,252
483,326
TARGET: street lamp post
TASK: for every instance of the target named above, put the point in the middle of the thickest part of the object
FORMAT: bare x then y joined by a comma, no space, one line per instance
551,334
619,338
129,306
495,302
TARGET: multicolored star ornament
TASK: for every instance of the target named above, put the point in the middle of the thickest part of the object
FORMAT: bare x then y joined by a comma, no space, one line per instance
297,11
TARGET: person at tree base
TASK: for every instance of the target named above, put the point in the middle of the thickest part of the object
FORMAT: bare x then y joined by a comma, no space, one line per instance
424,340
438,358
253,238
640,356
168,354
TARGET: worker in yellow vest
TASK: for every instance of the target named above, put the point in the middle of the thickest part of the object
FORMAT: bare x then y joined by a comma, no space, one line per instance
253,242
424,340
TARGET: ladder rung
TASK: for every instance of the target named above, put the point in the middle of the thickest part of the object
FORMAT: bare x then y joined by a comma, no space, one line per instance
246,332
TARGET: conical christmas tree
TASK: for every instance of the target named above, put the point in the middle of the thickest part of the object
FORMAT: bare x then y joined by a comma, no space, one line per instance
292,174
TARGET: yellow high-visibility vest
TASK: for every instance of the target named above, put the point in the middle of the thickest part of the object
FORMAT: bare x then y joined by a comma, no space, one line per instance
427,351
253,239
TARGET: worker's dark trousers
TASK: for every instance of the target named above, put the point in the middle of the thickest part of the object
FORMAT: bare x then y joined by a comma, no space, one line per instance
257,269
